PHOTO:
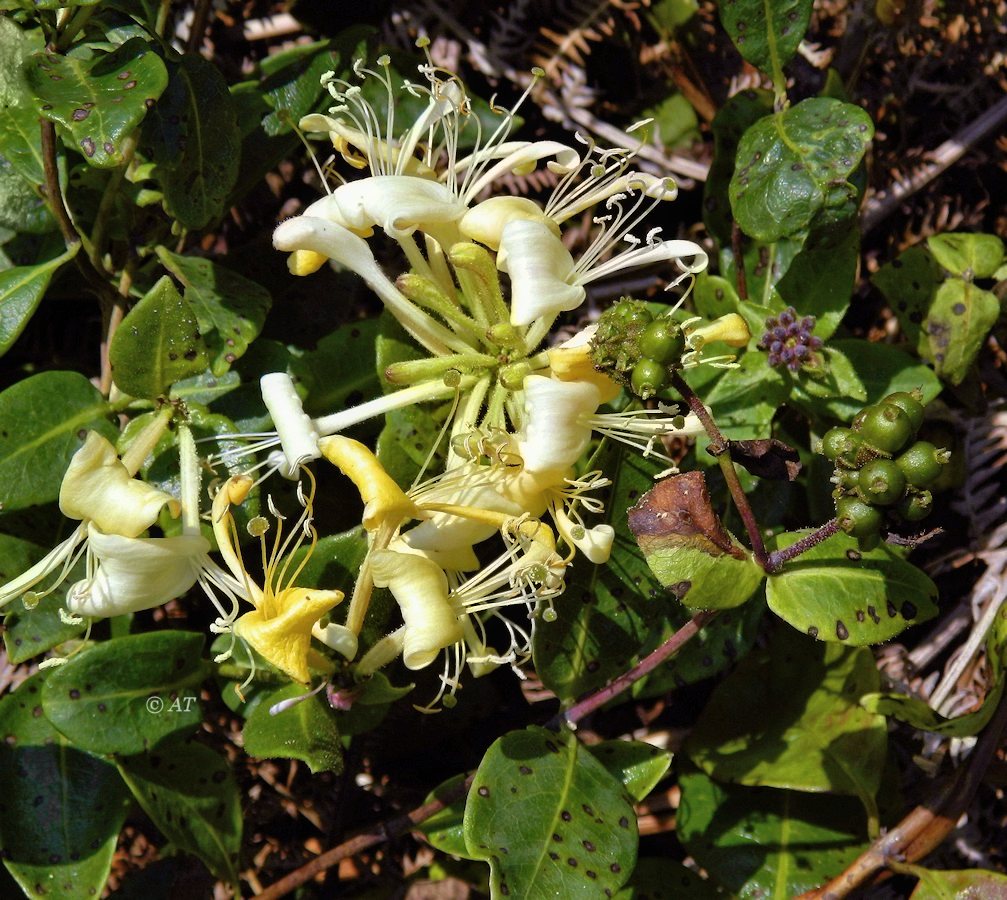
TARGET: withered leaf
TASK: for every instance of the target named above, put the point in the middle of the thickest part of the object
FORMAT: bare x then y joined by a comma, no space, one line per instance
767,458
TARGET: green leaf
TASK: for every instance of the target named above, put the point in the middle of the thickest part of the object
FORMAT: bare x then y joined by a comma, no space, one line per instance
230,308
959,884
767,844
549,819
909,284
793,169
882,370
638,766
22,208
340,371
609,614
128,694
193,137
789,717
837,379
968,255
21,290
43,422
444,829
956,327
744,400
98,102
766,32
305,731
675,121
293,86
190,794
20,140
731,122
820,281
157,344
835,592
61,809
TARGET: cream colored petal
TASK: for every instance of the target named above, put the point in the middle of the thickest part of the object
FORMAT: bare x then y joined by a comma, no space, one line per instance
421,590
690,258
571,361
556,427
136,573
485,221
98,487
541,272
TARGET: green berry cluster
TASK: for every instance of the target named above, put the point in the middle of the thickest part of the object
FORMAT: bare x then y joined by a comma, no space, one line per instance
635,348
880,467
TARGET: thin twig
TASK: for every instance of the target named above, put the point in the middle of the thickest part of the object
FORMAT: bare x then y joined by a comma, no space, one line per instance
198,28
379,834
627,679
720,448
882,205
778,557
923,830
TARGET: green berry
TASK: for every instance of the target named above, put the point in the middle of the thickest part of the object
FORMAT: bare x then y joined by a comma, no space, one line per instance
922,463
662,341
633,312
858,518
648,378
881,482
886,427
868,542
846,482
909,404
914,507
836,442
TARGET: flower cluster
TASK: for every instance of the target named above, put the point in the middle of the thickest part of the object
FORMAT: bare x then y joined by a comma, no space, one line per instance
790,340
485,277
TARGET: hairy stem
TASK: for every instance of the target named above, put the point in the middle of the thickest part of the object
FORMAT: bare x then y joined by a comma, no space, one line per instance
627,679
778,557
720,448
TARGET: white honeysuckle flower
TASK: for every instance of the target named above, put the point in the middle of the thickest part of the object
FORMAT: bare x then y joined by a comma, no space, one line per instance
556,425
131,574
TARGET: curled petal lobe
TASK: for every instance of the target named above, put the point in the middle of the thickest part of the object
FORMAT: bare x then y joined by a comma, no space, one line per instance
541,272
556,423
98,487
421,590
485,221
136,573
571,361
284,639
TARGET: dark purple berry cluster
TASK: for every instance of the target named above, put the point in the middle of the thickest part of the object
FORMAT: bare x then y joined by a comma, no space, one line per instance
789,340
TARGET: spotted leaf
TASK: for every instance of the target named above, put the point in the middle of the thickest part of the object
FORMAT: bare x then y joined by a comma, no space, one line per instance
549,819
98,102
766,34
835,592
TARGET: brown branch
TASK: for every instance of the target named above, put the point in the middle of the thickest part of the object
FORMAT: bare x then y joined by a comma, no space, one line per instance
627,679
384,831
923,830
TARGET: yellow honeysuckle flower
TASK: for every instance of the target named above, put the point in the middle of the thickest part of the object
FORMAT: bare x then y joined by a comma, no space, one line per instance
280,627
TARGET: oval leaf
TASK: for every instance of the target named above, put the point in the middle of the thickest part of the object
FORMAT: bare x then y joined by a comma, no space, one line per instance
968,255
766,33
61,809
789,717
793,168
190,793
230,308
956,327
43,422
305,731
98,101
549,819
193,137
128,694
639,766
835,592
157,344
21,290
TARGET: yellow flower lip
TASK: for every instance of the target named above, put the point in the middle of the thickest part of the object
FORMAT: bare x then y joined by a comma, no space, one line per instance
731,328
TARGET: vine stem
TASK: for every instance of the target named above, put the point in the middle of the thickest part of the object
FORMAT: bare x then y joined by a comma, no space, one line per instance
778,558
627,679
393,828
926,827
720,448
384,831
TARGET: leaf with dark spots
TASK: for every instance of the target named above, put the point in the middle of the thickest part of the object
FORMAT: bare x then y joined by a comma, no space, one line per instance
767,458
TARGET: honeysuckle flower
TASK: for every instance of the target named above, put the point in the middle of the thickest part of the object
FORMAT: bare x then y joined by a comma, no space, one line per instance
439,615
730,329
280,626
101,493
